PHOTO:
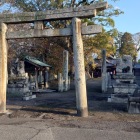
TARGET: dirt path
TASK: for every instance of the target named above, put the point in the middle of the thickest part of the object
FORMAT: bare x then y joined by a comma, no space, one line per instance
59,109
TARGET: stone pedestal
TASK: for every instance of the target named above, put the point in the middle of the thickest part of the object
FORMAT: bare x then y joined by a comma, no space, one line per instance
123,87
124,78
19,85
124,81
134,105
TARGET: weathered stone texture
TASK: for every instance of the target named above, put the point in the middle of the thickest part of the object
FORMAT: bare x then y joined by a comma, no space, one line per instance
124,77
80,81
92,29
66,13
104,72
124,64
65,69
3,67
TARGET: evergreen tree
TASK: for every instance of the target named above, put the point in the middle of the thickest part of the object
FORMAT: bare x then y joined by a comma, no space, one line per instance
127,45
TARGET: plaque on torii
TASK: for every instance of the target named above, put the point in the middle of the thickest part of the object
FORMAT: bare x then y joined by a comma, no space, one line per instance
76,30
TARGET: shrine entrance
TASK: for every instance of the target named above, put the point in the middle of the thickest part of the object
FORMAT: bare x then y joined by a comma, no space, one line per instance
76,30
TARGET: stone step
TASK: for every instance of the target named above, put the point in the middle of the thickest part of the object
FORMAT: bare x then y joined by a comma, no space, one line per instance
26,98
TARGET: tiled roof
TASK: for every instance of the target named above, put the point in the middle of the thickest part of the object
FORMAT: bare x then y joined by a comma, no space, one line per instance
35,61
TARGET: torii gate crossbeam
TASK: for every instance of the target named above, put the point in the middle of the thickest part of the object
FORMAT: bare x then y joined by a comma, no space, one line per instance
66,13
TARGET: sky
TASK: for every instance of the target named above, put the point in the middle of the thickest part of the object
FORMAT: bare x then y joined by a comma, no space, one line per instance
130,20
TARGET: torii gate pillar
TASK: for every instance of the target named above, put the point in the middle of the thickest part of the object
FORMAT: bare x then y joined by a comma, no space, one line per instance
3,67
80,82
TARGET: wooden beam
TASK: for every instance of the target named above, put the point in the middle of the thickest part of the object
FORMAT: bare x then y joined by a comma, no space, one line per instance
66,13
36,33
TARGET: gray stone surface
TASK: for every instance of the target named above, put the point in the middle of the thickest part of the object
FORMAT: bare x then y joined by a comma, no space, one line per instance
124,63
134,108
57,133
124,80
17,90
134,104
20,67
124,88
18,80
91,134
92,29
65,13
104,72
26,98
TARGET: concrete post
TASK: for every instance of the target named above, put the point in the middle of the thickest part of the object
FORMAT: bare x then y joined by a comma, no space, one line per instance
104,72
65,70
80,82
3,67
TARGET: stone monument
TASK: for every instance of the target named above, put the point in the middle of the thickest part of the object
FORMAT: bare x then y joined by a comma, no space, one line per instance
124,80
18,81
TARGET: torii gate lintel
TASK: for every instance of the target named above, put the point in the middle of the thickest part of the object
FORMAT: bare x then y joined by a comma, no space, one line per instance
49,15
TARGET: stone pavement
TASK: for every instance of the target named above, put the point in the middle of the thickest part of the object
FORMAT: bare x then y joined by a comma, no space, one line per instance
7,132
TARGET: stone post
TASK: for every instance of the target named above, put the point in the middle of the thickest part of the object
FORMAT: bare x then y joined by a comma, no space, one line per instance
68,82
104,72
80,82
92,74
60,82
40,79
3,67
36,79
65,70
46,79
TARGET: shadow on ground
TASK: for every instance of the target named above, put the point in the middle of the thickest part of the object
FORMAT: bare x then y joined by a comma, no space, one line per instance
65,103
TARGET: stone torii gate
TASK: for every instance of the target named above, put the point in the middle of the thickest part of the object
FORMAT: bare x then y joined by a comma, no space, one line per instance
76,31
